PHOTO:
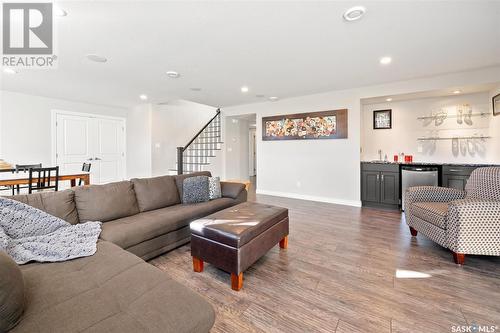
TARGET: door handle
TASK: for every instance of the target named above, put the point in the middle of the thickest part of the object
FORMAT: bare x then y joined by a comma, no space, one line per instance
97,159
378,177
382,177
90,159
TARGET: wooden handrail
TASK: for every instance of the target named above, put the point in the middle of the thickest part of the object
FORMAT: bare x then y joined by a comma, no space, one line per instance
197,134
180,150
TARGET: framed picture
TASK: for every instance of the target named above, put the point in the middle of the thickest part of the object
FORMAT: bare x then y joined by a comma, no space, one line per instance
306,126
382,119
496,105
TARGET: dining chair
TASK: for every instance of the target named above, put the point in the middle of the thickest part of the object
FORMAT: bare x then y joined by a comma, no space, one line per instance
86,168
7,187
23,168
43,179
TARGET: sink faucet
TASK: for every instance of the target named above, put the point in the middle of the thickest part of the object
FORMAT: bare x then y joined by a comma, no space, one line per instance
380,154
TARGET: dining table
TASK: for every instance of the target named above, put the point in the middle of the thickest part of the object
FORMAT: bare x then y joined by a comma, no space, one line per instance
8,177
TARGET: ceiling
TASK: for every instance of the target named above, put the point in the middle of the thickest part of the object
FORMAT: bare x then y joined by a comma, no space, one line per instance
275,48
452,91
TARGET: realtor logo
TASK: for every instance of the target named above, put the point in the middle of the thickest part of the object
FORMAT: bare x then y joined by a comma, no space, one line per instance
28,30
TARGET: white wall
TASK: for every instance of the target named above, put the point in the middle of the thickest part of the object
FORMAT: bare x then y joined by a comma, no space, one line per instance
494,143
173,125
25,126
406,129
139,135
25,130
319,170
329,170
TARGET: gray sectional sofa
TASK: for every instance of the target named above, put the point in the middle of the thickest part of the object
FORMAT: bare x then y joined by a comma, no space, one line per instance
115,290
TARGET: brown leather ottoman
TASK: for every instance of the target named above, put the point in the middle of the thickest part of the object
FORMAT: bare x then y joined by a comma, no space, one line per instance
234,238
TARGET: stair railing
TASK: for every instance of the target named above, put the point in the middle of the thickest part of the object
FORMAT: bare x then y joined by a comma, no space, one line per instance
181,150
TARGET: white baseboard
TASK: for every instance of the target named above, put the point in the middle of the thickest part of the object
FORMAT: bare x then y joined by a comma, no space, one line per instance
355,203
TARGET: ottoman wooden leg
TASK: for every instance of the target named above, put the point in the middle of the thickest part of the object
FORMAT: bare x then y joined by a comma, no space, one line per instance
197,265
284,242
236,281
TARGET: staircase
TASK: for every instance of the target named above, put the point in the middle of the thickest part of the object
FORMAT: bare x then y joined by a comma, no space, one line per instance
194,156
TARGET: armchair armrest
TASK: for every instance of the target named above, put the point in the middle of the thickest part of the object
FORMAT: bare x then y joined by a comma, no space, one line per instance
233,190
431,194
474,226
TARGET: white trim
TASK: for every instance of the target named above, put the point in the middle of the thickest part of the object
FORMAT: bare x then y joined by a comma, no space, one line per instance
84,114
354,203
53,132
252,165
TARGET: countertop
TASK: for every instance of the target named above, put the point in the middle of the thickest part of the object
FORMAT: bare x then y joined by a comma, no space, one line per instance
432,163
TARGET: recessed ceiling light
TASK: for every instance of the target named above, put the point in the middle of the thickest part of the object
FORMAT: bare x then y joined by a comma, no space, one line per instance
8,70
354,13
244,89
388,99
385,60
196,89
173,74
143,97
457,91
96,58
273,98
59,11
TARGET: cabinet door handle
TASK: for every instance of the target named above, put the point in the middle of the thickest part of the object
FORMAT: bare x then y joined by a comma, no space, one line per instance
382,177
378,177
455,170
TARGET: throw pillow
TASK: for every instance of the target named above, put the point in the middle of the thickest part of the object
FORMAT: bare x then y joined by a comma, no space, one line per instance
195,189
214,188
11,293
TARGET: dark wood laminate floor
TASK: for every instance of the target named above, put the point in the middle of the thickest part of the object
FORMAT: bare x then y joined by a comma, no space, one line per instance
340,274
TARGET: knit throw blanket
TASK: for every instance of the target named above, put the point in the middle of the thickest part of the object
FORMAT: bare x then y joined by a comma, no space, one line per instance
29,234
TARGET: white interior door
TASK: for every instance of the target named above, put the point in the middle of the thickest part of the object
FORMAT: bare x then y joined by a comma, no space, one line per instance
74,142
91,139
110,150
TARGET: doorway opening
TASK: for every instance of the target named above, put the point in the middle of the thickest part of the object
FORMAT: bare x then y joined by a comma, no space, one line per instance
241,148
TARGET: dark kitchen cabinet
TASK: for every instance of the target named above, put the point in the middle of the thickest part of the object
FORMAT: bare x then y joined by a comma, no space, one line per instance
380,185
370,186
453,181
456,176
389,188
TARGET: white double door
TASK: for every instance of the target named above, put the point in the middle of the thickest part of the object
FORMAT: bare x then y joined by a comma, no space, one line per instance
91,139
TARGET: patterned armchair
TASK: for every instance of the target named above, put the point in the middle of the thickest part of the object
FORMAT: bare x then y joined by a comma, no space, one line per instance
466,222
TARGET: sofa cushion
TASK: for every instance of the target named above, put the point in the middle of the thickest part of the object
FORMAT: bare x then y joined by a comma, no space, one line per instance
432,212
214,188
132,230
111,291
154,193
106,202
195,189
11,293
179,179
59,204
